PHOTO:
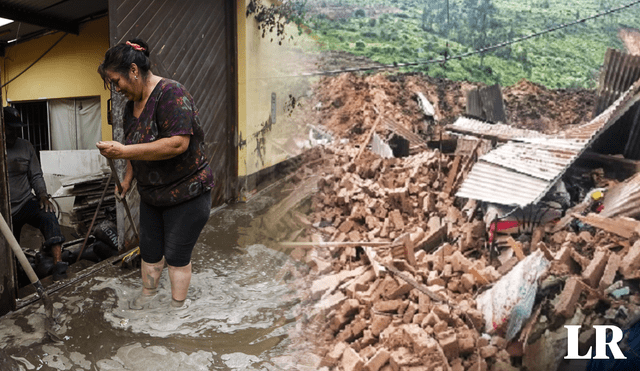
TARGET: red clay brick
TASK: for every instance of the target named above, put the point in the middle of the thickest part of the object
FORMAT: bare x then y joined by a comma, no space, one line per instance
396,218
411,310
443,311
351,361
430,320
488,351
630,267
569,296
379,322
424,303
466,341
564,255
346,226
592,274
610,271
335,354
440,326
378,360
459,262
449,343
467,280
423,344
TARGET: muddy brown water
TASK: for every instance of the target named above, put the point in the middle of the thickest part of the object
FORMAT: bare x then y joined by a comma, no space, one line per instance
240,310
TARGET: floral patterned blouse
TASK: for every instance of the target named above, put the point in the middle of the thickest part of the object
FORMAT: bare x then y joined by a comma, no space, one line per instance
169,111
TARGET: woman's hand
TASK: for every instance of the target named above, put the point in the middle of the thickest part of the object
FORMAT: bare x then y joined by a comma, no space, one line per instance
125,188
111,149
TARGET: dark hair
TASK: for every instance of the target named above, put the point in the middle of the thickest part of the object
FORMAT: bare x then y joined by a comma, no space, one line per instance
120,57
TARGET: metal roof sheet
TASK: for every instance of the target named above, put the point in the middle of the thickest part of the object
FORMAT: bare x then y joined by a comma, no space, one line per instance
521,173
36,17
468,125
623,199
493,183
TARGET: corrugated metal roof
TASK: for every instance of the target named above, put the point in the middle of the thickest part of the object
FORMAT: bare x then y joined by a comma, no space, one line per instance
496,184
486,103
620,70
34,17
623,199
502,132
521,173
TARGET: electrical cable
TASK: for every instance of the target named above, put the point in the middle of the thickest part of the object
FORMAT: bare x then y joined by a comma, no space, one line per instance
36,61
469,54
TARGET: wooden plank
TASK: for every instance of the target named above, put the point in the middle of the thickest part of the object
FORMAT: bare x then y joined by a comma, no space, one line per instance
369,135
517,248
372,256
409,250
453,172
420,287
433,240
622,226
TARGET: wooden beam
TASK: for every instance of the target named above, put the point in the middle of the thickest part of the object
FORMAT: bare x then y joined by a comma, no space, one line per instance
420,287
453,172
622,226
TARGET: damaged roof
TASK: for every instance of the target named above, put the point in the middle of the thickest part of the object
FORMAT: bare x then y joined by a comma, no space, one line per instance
503,132
522,171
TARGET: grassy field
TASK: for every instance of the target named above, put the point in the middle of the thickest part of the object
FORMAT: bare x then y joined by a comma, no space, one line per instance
400,31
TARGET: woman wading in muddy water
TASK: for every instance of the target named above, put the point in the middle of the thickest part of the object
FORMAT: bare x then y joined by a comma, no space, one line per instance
164,149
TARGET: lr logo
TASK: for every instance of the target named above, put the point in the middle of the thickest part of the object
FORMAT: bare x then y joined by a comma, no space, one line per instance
601,343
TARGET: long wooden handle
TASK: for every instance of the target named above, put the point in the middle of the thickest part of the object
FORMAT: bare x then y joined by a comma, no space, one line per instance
124,199
17,250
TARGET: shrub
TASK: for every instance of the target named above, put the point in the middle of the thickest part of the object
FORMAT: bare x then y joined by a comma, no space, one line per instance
360,13
360,44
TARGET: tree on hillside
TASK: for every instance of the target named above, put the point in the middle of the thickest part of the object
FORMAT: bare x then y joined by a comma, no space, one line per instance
482,24
440,16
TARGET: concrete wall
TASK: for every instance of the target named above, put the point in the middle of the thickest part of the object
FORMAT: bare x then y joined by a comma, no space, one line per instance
265,68
69,70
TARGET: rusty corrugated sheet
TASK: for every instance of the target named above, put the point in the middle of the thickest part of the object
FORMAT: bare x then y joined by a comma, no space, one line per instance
623,199
413,138
496,184
501,132
522,172
486,103
466,145
620,71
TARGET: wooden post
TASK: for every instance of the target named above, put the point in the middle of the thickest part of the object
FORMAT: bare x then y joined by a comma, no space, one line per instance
8,289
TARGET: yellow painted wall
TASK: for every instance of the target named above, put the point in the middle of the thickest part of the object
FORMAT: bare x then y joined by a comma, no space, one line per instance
69,70
265,67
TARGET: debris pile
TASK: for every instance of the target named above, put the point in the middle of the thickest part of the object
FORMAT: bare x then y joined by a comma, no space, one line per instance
404,275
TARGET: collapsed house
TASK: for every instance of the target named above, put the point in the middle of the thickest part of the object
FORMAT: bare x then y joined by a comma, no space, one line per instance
472,260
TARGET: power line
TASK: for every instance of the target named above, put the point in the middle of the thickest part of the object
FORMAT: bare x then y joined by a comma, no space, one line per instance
36,61
469,54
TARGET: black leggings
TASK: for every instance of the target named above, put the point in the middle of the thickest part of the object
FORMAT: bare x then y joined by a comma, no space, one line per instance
172,231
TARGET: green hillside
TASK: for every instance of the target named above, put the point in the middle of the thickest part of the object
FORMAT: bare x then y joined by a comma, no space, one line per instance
400,31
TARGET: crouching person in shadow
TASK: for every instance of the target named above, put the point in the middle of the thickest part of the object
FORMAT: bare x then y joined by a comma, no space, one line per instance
28,193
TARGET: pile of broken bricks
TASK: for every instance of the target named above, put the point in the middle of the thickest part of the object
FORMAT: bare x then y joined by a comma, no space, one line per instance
397,265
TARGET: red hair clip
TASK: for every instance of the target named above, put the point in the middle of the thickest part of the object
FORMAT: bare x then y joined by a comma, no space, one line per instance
135,46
